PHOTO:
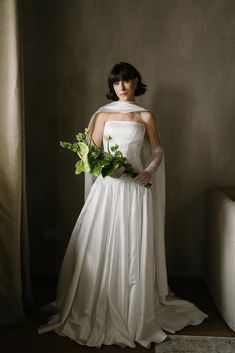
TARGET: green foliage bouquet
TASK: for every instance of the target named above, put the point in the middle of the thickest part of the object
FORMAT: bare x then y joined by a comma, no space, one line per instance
96,161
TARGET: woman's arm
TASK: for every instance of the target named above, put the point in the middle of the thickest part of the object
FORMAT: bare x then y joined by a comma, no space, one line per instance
97,136
151,129
157,152
97,133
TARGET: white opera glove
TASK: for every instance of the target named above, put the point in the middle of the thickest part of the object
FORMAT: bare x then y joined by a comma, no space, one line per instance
145,175
118,172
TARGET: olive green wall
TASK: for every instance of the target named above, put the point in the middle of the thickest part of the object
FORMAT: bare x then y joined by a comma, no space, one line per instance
185,52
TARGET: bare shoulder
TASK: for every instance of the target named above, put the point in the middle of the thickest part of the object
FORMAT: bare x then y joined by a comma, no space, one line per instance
148,117
151,129
101,117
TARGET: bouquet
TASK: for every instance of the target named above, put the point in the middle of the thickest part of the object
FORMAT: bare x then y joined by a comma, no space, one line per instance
94,160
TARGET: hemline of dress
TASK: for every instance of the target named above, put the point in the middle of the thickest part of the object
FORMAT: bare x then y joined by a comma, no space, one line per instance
143,343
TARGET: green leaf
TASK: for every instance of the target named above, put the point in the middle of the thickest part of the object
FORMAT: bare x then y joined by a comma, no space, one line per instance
79,167
107,157
96,168
110,169
94,152
118,154
80,136
65,144
83,149
114,148
108,138
83,154
74,147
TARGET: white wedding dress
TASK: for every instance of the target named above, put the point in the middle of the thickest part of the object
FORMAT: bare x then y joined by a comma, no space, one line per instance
107,291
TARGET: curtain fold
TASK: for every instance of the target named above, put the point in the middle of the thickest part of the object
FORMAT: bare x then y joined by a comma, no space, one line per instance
14,248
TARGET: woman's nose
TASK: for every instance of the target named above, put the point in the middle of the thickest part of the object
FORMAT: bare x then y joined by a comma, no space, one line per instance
121,84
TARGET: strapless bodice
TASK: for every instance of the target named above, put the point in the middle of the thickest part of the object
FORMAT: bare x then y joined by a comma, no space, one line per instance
129,135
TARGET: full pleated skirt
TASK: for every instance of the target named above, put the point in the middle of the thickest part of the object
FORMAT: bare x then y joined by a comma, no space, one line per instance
107,292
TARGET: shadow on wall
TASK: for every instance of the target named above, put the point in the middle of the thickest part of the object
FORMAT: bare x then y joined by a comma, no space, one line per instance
174,106
74,111
185,187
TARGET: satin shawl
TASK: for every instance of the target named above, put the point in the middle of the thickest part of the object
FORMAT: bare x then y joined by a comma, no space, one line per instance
158,194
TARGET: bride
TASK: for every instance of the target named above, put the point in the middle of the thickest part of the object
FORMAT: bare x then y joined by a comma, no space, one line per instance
112,286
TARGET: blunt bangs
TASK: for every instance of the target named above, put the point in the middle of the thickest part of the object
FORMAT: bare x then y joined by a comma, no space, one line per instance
121,73
124,71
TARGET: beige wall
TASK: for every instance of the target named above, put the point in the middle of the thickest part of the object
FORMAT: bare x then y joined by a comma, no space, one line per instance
185,52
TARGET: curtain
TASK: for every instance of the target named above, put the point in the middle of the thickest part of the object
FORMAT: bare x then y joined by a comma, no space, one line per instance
14,249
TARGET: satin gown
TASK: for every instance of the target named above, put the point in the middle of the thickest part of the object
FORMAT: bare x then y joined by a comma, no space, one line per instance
107,292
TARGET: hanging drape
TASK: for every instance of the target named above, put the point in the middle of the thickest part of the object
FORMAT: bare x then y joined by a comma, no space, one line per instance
14,255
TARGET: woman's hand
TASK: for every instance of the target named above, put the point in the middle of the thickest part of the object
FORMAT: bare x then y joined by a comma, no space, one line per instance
118,172
143,177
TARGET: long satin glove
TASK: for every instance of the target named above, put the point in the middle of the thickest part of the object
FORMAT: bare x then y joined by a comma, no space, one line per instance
145,175
118,172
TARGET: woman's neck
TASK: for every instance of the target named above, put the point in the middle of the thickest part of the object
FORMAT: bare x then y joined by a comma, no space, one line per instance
127,101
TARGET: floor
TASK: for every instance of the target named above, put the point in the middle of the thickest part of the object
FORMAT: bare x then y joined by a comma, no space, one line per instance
24,338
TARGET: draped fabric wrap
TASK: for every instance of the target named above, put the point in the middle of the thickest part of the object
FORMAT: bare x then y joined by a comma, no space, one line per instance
158,190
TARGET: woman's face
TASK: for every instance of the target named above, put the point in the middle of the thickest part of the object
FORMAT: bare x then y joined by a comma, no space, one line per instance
125,90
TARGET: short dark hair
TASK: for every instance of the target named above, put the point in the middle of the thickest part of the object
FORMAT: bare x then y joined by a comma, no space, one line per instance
124,71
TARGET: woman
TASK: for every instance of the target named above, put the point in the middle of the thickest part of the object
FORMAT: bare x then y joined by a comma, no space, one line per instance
112,286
